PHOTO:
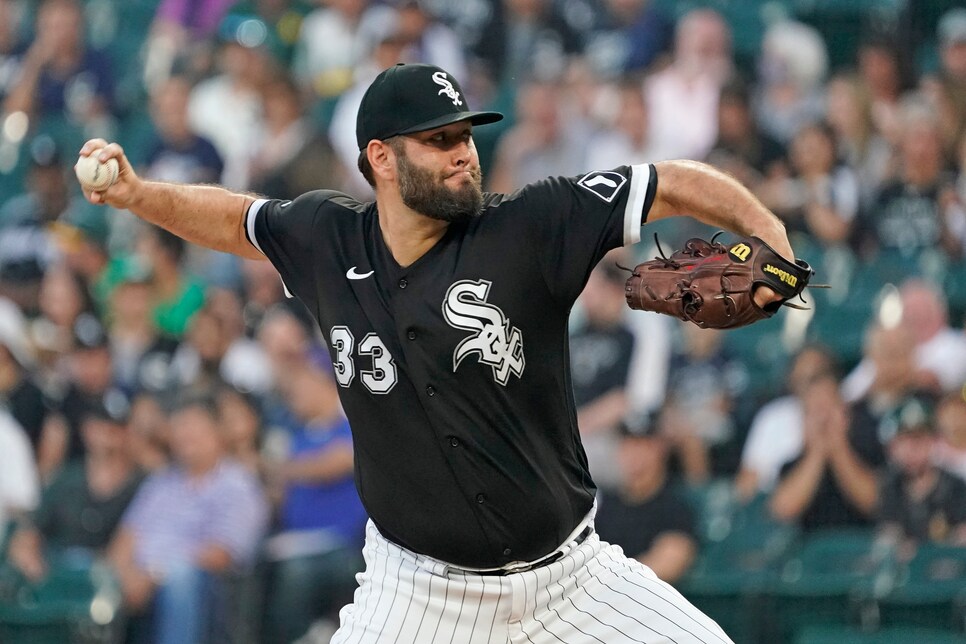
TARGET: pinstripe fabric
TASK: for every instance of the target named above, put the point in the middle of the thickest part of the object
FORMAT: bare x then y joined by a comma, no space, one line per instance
593,594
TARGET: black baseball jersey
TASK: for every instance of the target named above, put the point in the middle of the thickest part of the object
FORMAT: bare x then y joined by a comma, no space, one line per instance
454,371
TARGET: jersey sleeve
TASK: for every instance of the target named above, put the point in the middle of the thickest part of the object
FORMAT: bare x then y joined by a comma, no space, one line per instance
286,232
576,220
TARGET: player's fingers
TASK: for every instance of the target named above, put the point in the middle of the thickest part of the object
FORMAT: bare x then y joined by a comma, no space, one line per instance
110,151
91,145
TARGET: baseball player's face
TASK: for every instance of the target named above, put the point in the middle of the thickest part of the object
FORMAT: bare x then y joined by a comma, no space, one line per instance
438,173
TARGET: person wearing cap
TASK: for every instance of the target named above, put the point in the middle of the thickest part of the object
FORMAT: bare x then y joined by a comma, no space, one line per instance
918,501
27,248
83,505
646,516
446,315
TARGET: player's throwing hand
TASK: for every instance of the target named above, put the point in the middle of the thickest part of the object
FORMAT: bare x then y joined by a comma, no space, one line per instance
122,192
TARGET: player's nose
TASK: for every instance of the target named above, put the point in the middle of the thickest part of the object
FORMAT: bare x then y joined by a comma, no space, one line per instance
462,153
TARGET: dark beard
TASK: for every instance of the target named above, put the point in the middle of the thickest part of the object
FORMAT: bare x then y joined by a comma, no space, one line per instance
424,192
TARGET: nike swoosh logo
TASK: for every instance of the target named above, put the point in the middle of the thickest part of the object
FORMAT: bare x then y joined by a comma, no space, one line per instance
353,275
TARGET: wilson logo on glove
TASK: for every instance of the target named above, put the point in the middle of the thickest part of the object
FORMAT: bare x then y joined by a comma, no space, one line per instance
713,286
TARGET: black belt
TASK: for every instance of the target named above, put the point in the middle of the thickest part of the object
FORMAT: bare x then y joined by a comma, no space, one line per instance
556,556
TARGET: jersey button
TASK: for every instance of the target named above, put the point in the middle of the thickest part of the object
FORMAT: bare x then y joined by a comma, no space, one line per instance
411,334
507,552
480,498
430,391
403,283
454,442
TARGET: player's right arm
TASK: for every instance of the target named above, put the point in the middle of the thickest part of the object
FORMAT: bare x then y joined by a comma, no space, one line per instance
209,216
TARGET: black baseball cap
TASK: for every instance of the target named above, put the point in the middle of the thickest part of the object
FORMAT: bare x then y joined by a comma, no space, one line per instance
411,98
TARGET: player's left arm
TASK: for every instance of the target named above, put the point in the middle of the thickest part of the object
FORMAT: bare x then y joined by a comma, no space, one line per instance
717,199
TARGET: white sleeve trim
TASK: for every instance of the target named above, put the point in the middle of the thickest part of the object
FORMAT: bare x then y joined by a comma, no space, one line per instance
250,222
634,210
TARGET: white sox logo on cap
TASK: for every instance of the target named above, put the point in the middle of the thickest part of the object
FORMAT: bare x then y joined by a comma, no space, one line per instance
440,79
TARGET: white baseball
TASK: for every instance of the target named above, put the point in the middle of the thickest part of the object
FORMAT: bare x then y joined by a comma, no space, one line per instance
94,175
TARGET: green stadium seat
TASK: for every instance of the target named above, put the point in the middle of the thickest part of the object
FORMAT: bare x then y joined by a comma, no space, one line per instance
738,563
930,590
70,605
821,583
839,635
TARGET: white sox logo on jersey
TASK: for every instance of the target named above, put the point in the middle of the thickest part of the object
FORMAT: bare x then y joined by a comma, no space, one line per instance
497,343
440,79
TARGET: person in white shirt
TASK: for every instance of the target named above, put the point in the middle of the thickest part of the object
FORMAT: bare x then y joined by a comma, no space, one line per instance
940,352
19,483
776,434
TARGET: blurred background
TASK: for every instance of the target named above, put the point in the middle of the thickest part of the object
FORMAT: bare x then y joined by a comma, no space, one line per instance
174,463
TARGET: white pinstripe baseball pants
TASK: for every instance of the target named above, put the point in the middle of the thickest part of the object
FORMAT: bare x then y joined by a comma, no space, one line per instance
593,594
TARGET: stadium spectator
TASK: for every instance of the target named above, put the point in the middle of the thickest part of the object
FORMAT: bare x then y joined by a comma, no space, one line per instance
189,526
10,46
242,416
704,380
19,482
242,67
27,249
600,359
886,73
627,37
525,39
25,400
142,356
950,450
823,199
627,138
148,426
89,371
918,501
334,39
952,45
682,99
775,436
83,505
215,349
261,291
315,555
832,483
386,52
913,213
791,70
63,298
294,155
543,142
61,76
742,149
428,40
176,152
848,110
83,236
282,19
939,353
646,516
178,295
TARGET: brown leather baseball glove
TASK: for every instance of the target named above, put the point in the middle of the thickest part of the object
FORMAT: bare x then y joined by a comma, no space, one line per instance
713,285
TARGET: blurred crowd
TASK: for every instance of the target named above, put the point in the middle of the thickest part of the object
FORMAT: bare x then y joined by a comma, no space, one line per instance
171,417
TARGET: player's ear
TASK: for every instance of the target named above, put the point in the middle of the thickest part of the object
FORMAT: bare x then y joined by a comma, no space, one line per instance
381,159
